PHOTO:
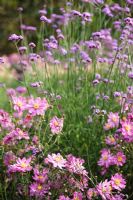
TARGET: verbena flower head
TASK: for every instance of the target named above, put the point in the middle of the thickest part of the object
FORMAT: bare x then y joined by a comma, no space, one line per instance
129,2
45,19
15,38
56,125
56,160
21,90
21,165
118,182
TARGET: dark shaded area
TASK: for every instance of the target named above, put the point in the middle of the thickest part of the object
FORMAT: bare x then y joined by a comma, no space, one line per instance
10,22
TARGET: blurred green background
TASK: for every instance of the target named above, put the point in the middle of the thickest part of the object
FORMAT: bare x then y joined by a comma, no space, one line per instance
9,17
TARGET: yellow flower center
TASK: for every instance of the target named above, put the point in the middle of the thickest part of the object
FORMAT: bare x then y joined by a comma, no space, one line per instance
36,106
107,125
76,198
117,181
39,187
112,139
23,165
119,158
105,157
110,188
40,177
56,123
58,158
19,104
114,119
103,189
127,127
21,133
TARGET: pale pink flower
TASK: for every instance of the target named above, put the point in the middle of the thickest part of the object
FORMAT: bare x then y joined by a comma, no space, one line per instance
21,134
112,122
37,106
113,119
104,189
57,160
56,125
19,103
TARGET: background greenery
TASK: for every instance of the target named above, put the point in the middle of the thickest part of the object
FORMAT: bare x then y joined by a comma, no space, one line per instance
9,20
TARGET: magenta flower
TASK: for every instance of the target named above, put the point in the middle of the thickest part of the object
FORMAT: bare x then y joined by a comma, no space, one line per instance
21,165
38,190
62,197
56,125
110,140
40,177
9,158
10,138
104,189
120,159
5,120
106,159
92,192
77,196
37,106
118,182
21,134
75,165
57,160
